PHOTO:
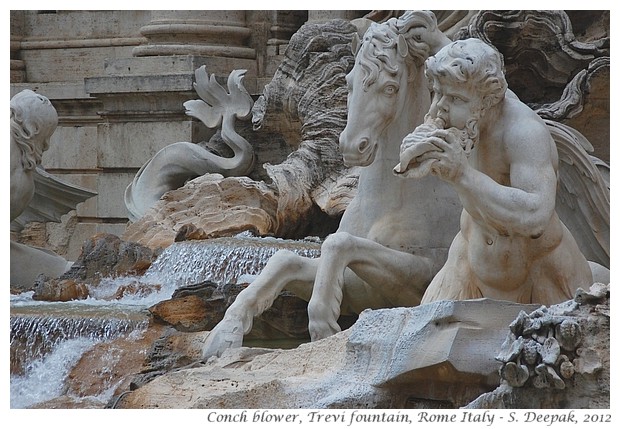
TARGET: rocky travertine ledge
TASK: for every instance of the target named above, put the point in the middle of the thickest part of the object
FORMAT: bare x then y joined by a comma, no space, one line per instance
377,363
436,355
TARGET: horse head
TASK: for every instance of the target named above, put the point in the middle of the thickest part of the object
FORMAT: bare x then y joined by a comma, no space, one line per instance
387,87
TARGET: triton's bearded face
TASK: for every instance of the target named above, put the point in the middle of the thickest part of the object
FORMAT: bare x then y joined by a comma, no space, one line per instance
459,110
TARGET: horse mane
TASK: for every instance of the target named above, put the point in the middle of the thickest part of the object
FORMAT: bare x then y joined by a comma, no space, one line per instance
373,55
379,38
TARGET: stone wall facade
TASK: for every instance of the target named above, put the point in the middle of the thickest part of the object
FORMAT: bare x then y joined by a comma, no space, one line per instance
118,80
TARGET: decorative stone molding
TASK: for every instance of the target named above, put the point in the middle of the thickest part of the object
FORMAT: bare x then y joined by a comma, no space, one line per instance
18,66
317,16
218,33
284,23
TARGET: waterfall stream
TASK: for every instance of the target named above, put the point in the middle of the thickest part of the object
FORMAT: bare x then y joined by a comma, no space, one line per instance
48,339
222,260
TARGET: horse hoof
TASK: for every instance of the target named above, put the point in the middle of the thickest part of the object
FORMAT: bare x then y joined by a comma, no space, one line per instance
320,330
226,335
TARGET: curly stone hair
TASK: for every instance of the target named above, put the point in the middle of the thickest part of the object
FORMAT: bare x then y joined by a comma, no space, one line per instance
33,121
472,61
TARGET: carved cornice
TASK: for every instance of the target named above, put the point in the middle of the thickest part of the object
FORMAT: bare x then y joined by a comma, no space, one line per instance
26,44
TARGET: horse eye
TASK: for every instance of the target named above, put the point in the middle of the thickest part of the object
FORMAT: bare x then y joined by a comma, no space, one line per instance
390,90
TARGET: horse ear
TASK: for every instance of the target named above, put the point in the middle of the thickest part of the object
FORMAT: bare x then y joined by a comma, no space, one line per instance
401,46
355,44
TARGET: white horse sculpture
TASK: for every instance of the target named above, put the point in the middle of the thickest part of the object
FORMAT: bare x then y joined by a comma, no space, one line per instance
395,234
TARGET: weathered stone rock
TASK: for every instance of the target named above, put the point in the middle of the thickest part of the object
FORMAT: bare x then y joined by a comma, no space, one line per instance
442,352
171,350
456,341
188,313
111,364
106,255
190,232
194,308
66,402
255,373
135,288
108,365
217,205
59,290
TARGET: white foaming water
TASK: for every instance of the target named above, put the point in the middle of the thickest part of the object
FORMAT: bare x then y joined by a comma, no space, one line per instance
222,260
48,338
44,379
147,290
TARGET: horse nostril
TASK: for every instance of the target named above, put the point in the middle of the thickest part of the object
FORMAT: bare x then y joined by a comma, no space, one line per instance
363,145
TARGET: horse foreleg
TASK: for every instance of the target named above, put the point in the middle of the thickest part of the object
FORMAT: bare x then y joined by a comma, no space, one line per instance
392,277
284,270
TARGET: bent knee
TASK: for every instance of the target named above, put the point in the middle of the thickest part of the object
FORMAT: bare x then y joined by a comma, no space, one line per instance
286,259
337,242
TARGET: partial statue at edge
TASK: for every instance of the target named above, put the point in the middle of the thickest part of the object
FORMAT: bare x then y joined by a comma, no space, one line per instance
35,194
502,160
33,121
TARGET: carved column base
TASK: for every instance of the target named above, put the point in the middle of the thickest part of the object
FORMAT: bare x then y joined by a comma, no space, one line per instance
207,33
175,39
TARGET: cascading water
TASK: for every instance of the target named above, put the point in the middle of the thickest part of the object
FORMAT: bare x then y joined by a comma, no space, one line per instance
221,260
47,339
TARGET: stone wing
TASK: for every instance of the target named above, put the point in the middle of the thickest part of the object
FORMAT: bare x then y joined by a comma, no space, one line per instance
52,199
582,200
